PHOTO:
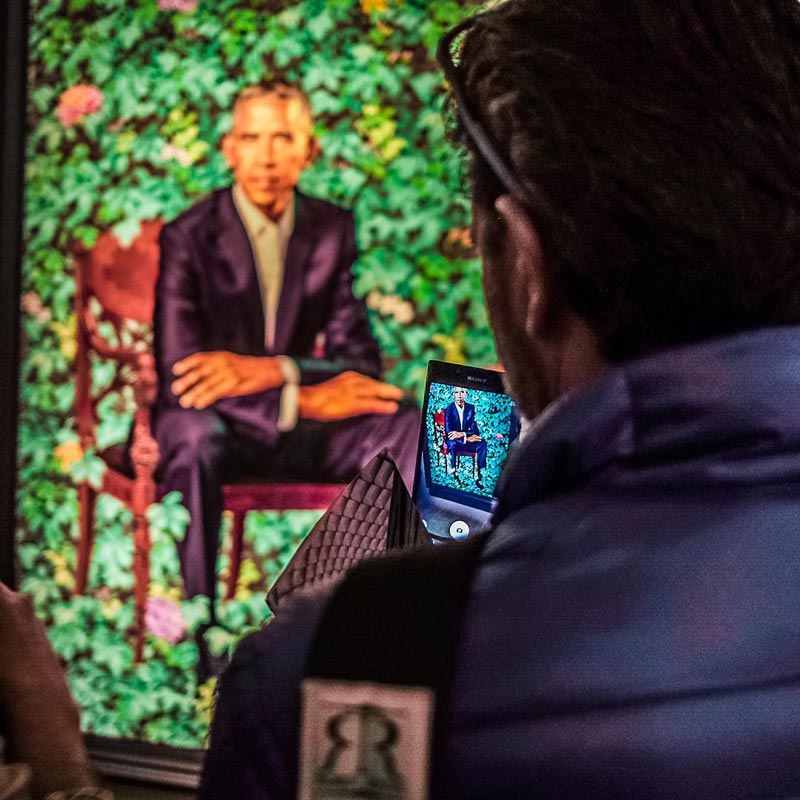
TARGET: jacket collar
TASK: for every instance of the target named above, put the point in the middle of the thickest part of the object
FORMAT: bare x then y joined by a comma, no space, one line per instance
233,245
722,412
301,245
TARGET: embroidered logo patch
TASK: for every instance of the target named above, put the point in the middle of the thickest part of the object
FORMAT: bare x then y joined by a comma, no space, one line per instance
364,740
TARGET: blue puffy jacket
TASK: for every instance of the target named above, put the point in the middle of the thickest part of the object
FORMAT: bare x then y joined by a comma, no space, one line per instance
633,629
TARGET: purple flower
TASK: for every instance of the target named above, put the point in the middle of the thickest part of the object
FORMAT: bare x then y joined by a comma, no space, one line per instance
163,619
499,437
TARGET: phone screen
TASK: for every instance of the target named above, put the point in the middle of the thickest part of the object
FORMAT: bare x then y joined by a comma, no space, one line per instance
468,424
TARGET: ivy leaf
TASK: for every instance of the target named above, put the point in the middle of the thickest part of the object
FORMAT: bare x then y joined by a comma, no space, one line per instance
426,86
183,655
127,230
90,468
169,517
117,657
219,640
321,25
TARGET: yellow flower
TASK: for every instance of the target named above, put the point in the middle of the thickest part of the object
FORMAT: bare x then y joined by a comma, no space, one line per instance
368,6
452,347
169,592
68,454
248,575
67,335
62,574
111,608
205,699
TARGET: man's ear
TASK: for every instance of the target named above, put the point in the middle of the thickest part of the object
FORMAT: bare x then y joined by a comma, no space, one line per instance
529,269
314,150
227,150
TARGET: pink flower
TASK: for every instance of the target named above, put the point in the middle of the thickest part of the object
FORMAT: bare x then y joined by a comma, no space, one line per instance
180,154
32,305
177,5
163,619
499,437
77,102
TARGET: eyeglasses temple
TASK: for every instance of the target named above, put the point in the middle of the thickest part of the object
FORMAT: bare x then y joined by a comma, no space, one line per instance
480,137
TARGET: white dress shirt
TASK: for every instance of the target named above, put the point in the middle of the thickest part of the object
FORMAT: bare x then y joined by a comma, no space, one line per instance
269,241
460,410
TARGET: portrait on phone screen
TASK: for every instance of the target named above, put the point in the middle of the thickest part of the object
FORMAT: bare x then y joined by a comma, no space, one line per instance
463,447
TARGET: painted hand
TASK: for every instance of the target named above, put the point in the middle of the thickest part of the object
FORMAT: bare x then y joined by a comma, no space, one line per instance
204,378
348,395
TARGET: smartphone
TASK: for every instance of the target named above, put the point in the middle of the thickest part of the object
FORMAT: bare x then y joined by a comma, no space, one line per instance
468,423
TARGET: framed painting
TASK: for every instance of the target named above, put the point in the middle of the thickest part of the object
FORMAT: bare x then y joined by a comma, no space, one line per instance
114,113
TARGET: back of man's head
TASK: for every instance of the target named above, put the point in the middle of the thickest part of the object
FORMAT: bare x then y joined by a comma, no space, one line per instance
659,144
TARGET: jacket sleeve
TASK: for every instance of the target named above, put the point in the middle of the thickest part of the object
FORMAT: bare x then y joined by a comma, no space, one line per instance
179,323
349,343
449,423
177,318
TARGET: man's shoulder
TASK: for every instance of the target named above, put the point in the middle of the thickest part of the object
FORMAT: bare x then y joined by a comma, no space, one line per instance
198,216
323,210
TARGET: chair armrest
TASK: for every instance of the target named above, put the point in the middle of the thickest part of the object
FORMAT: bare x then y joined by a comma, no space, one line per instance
101,345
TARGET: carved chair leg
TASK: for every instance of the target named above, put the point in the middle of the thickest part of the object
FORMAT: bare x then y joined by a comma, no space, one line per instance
141,577
237,543
144,454
87,497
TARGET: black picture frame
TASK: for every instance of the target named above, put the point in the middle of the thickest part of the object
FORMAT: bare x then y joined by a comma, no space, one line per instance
113,758
13,54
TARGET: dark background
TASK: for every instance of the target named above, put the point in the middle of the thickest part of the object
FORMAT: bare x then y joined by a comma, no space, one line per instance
14,38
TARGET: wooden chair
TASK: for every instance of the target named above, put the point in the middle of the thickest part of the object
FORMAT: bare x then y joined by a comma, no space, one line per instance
439,438
443,446
114,306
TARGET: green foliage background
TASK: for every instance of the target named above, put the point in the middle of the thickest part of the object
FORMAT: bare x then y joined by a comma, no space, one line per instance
152,150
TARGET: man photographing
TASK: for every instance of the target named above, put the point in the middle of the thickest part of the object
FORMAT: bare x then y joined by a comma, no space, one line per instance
630,627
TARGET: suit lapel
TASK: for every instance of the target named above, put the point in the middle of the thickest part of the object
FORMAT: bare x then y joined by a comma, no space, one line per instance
301,245
235,255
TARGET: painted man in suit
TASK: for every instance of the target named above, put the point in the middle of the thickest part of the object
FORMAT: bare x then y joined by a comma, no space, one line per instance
265,358
463,436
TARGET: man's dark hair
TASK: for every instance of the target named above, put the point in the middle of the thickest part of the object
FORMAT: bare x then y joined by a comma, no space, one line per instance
660,145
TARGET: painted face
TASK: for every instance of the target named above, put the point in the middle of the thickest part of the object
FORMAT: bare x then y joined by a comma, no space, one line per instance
459,395
268,148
